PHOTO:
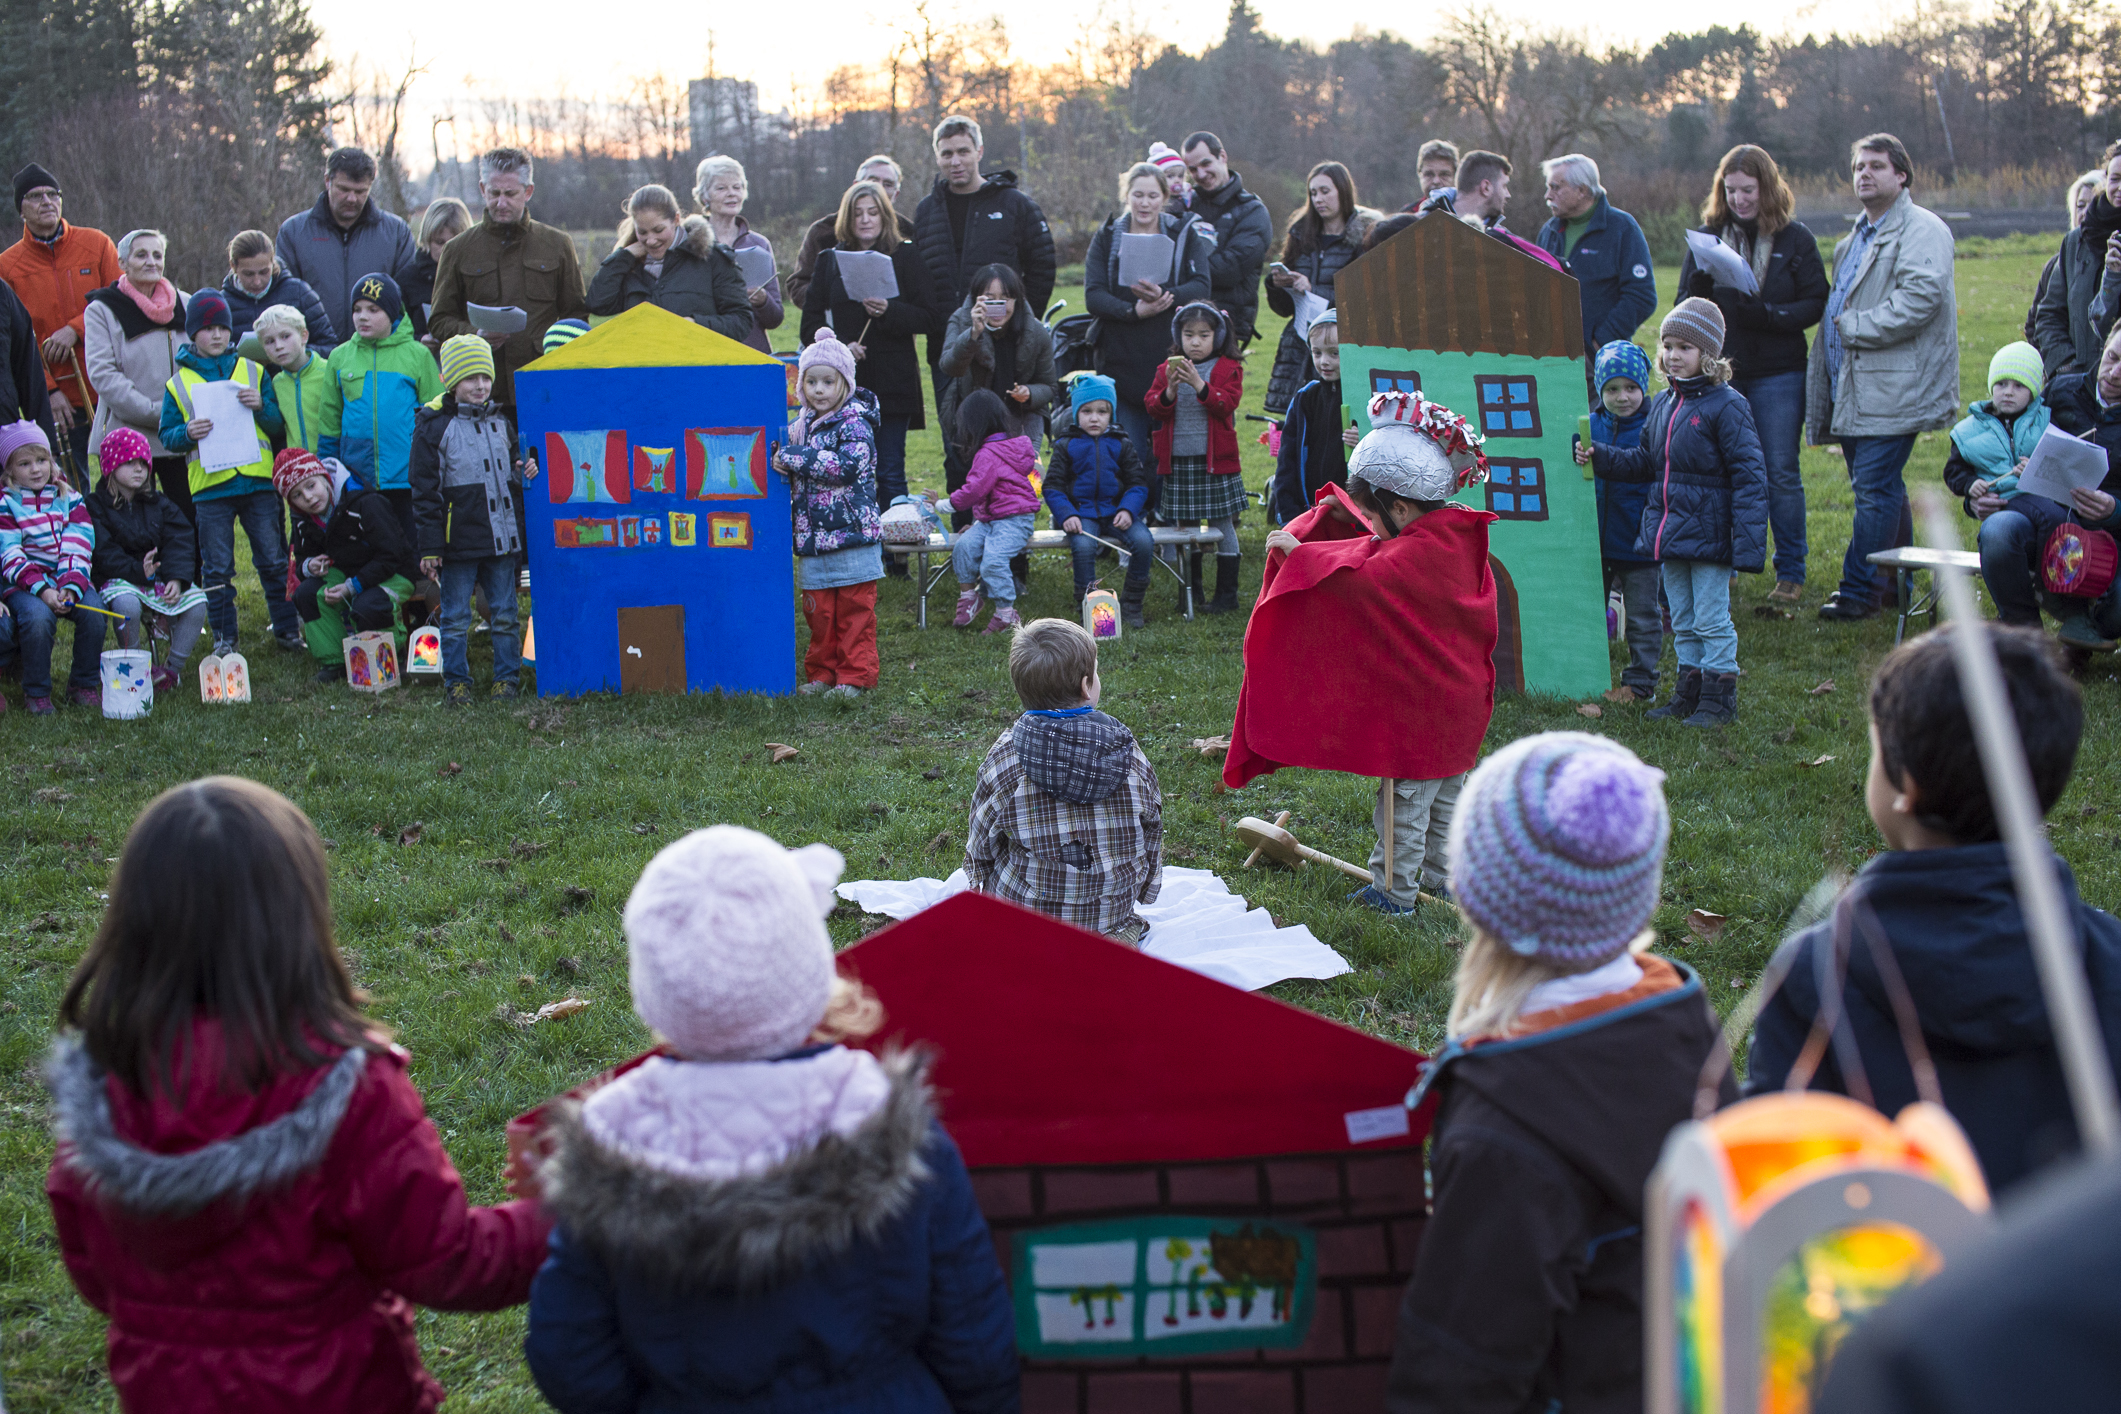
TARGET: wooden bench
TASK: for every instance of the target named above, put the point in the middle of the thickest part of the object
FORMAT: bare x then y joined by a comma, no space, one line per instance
1904,562
1176,537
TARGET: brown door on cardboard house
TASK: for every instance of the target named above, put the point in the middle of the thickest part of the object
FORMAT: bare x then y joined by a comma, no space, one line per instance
652,649
1509,637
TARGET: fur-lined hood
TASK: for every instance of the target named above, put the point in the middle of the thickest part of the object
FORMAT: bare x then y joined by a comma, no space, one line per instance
232,1171
699,239
690,1175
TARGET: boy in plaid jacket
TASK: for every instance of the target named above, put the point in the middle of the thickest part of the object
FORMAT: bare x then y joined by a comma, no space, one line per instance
1067,817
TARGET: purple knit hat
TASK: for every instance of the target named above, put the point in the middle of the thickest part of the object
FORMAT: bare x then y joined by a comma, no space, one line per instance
1557,848
14,436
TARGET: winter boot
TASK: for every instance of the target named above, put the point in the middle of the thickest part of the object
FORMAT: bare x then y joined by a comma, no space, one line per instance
1686,696
1225,600
1719,701
1130,604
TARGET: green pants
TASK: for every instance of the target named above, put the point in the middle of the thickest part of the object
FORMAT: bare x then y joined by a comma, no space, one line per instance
325,624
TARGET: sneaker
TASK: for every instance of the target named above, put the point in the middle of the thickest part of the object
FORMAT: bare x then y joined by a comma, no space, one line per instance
505,692
968,602
1787,591
165,680
2077,632
292,641
1844,608
845,691
331,672
39,706
812,689
85,696
1373,898
1005,617
458,694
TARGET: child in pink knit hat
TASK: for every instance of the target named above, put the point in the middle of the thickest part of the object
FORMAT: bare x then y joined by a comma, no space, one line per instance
768,1218
146,560
830,462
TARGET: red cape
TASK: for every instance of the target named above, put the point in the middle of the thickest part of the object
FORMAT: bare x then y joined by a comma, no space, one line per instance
1374,657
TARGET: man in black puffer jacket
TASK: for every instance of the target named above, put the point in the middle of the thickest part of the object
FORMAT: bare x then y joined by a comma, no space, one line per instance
968,221
1243,231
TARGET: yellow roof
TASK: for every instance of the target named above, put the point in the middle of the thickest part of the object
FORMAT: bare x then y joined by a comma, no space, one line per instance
648,337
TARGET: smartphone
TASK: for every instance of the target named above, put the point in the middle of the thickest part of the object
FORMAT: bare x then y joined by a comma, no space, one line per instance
1277,268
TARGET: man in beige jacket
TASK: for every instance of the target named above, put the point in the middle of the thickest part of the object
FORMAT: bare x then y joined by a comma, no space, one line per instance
1886,363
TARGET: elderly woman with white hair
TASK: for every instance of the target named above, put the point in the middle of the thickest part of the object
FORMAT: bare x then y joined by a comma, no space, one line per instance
719,189
1602,246
131,333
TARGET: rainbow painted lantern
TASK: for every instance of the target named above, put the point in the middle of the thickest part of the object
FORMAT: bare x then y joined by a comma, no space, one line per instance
1773,1227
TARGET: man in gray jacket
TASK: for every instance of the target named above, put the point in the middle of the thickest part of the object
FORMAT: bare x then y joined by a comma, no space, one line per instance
345,236
1886,363
2078,302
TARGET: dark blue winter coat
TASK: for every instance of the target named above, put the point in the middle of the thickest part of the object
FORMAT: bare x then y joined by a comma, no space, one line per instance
1093,477
1958,936
1708,489
853,1276
1620,503
244,308
1312,453
1611,264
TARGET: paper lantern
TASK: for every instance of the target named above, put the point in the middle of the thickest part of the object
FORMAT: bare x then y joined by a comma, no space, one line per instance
1775,1225
424,655
224,678
1101,613
128,692
371,662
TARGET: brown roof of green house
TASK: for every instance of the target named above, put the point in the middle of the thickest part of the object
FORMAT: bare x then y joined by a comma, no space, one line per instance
1439,284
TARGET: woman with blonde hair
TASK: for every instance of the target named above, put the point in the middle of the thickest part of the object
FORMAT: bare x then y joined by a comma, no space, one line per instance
669,261
1572,1052
445,219
256,281
719,189
1749,210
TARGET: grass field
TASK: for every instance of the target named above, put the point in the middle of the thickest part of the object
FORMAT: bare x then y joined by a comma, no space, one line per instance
535,820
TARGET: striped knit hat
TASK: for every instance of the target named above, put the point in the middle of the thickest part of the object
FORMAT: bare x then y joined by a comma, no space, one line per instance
1699,322
464,356
1557,848
1620,359
562,333
2019,362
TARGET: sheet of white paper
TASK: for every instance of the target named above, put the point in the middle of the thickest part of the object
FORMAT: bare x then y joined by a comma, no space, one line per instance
1145,257
2060,463
1195,923
867,274
757,264
497,319
234,440
250,348
1308,308
1724,265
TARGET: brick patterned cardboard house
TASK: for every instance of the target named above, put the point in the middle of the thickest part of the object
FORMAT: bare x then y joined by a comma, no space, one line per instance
1205,1200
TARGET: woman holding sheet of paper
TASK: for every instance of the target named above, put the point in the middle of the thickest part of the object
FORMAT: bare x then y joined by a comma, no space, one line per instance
719,189
1323,236
872,289
1142,264
1748,213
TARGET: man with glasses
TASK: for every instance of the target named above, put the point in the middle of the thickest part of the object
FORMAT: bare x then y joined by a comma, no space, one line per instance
52,269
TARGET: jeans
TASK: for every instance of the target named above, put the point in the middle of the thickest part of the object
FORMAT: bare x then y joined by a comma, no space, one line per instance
1777,402
983,552
36,630
495,574
1421,823
890,460
2011,542
261,516
183,628
1637,582
1702,632
1133,419
1140,549
1883,518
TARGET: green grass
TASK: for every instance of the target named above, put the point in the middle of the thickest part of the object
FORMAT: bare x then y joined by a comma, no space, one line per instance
536,820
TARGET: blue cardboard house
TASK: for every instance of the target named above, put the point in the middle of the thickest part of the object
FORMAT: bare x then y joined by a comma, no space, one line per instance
659,537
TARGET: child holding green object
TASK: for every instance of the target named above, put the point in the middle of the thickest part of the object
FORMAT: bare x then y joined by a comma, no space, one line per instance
350,557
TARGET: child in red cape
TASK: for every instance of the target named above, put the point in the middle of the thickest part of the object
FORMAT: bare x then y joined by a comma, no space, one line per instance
1371,648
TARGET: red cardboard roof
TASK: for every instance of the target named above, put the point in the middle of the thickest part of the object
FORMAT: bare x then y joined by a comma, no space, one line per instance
1056,1046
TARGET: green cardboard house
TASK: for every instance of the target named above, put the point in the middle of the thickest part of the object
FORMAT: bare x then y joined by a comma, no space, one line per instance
1466,321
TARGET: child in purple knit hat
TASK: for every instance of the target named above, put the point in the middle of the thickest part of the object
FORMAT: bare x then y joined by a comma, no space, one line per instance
1572,1053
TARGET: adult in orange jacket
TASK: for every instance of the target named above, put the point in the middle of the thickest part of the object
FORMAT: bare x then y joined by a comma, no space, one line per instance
52,269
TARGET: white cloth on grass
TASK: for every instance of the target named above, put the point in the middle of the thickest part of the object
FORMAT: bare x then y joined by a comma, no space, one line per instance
1196,922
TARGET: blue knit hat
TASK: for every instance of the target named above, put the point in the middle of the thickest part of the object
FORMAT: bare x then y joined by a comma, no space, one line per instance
1557,848
1621,359
379,289
1092,388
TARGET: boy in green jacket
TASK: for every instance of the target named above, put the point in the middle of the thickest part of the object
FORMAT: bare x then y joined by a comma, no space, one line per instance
382,375
307,393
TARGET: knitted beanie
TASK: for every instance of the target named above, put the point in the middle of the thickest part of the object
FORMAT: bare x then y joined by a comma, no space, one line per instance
381,290
463,356
1621,359
208,310
2020,363
29,179
121,445
1699,322
562,333
1092,388
1174,165
294,466
14,436
730,960
1557,848
827,349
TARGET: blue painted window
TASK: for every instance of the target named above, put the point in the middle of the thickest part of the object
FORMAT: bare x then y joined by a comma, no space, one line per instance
1509,405
1517,490
1385,380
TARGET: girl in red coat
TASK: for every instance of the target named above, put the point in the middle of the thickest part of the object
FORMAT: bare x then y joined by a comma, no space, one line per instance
246,1183
1193,398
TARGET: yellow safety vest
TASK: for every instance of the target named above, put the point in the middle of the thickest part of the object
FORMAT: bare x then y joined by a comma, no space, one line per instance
180,387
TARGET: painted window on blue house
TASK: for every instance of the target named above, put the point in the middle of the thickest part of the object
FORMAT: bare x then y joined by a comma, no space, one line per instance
1517,489
1385,380
1509,404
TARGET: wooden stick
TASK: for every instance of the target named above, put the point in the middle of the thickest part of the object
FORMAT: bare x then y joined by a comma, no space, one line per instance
1385,795
1253,858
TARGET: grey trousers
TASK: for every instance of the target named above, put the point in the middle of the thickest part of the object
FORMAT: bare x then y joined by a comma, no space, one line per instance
1421,821
1642,621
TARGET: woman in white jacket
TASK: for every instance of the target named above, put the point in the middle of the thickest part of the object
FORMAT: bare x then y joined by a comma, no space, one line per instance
133,330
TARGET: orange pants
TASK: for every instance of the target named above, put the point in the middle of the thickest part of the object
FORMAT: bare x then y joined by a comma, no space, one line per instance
842,635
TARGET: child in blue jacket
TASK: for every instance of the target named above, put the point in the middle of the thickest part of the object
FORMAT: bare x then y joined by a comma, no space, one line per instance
1622,374
767,1218
1314,444
1096,487
1989,449
1706,514
382,375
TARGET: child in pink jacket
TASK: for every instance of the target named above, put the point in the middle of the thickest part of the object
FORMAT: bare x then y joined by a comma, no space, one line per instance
1001,491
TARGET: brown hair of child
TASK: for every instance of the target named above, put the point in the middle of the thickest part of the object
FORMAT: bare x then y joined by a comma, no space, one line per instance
1049,661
